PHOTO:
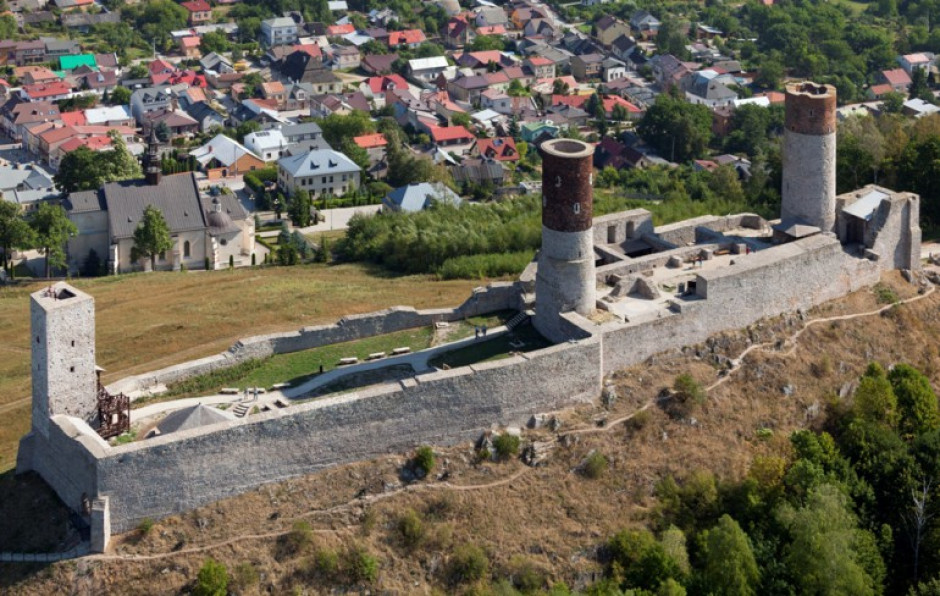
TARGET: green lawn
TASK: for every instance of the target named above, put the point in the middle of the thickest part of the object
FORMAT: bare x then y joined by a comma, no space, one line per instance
296,367
493,349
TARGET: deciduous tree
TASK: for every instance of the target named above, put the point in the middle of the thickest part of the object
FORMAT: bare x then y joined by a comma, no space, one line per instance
151,237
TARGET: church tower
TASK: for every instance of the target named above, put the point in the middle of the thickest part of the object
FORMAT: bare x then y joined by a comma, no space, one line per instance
153,169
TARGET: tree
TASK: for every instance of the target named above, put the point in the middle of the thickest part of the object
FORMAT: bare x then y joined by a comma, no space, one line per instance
821,555
163,131
356,153
770,73
874,398
678,130
594,106
919,88
14,231
486,42
298,208
212,579
214,41
729,567
337,127
917,403
52,229
120,96
892,102
151,237
84,169
639,561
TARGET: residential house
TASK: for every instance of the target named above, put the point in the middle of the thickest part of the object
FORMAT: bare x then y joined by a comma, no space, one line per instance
177,121
706,87
17,114
378,64
189,46
419,196
501,149
453,139
344,57
224,157
200,12
487,16
919,108
110,116
84,21
427,70
645,24
609,28
149,99
96,81
31,75
469,88
540,67
612,70
922,60
458,33
409,38
479,170
55,48
274,90
297,96
203,229
898,79
567,115
534,133
208,117
301,67
611,153
667,70
374,145
382,16
588,66
29,52
321,172
216,63
53,91
279,31
340,29
270,145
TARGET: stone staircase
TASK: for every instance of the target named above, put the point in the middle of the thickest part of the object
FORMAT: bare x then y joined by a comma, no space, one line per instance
240,410
519,319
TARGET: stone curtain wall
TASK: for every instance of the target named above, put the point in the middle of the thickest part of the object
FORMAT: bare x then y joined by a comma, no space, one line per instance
175,473
492,298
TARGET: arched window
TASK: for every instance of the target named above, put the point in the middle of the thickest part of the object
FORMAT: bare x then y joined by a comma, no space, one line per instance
186,249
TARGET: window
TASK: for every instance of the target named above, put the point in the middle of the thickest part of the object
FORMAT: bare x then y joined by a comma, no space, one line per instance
163,255
223,241
577,208
186,249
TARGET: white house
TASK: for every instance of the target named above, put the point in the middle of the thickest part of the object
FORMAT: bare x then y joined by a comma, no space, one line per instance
278,31
270,145
427,69
318,172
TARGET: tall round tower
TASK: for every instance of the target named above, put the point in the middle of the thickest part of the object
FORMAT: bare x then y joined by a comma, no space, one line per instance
565,279
809,155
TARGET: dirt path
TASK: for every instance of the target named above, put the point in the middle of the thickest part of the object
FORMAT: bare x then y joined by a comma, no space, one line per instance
737,363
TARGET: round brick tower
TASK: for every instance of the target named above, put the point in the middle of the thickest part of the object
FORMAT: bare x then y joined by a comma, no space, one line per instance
809,155
565,279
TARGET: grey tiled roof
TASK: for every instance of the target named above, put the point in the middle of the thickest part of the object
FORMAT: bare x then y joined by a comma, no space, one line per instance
176,196
85,201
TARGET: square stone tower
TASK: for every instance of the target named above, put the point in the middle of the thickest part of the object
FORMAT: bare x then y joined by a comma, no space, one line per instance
63,355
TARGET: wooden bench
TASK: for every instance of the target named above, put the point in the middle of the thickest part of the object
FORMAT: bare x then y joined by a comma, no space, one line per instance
346,361
399,351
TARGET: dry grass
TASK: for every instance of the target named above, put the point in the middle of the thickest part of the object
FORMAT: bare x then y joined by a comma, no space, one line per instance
148,321
551,518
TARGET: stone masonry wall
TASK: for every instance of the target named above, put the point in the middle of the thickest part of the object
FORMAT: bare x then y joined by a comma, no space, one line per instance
175,473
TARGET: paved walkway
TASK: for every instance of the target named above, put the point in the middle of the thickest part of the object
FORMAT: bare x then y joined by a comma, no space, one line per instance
418,361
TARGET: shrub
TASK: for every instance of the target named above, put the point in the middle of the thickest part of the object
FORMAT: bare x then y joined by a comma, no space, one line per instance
885,295
688,395
506,446
411,529
245,575
594,465
145,526
485,265
424,459
298,539
326,563
212,579
468,564
360,566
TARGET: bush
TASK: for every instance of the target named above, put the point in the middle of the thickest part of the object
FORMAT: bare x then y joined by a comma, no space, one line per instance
885,295
468,564
145,526
360,566
424,459
688,395
212,579
245,576
486,265
411,529
506,446
326,563
299,538
594,465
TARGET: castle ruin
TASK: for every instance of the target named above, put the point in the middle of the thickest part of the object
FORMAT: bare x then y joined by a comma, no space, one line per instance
609,291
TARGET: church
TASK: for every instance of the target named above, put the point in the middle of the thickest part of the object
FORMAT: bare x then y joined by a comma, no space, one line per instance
207,230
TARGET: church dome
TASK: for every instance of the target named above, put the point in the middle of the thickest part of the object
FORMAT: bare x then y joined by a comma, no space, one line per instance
220,222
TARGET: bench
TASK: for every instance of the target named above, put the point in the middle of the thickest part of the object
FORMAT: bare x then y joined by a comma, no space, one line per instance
376,356
399,351
229,391
350,360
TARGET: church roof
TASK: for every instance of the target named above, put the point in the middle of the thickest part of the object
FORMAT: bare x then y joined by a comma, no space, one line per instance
176,196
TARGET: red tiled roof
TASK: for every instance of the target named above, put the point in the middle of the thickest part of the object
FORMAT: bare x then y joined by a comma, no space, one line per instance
196,6
491,30
190,42
273,87
310,48
450,133
499,148
381,84
371,141
615,100
76,118
408,36
879,90
160,66
575,101
41,90
896,76
540,61
340,29
94,143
